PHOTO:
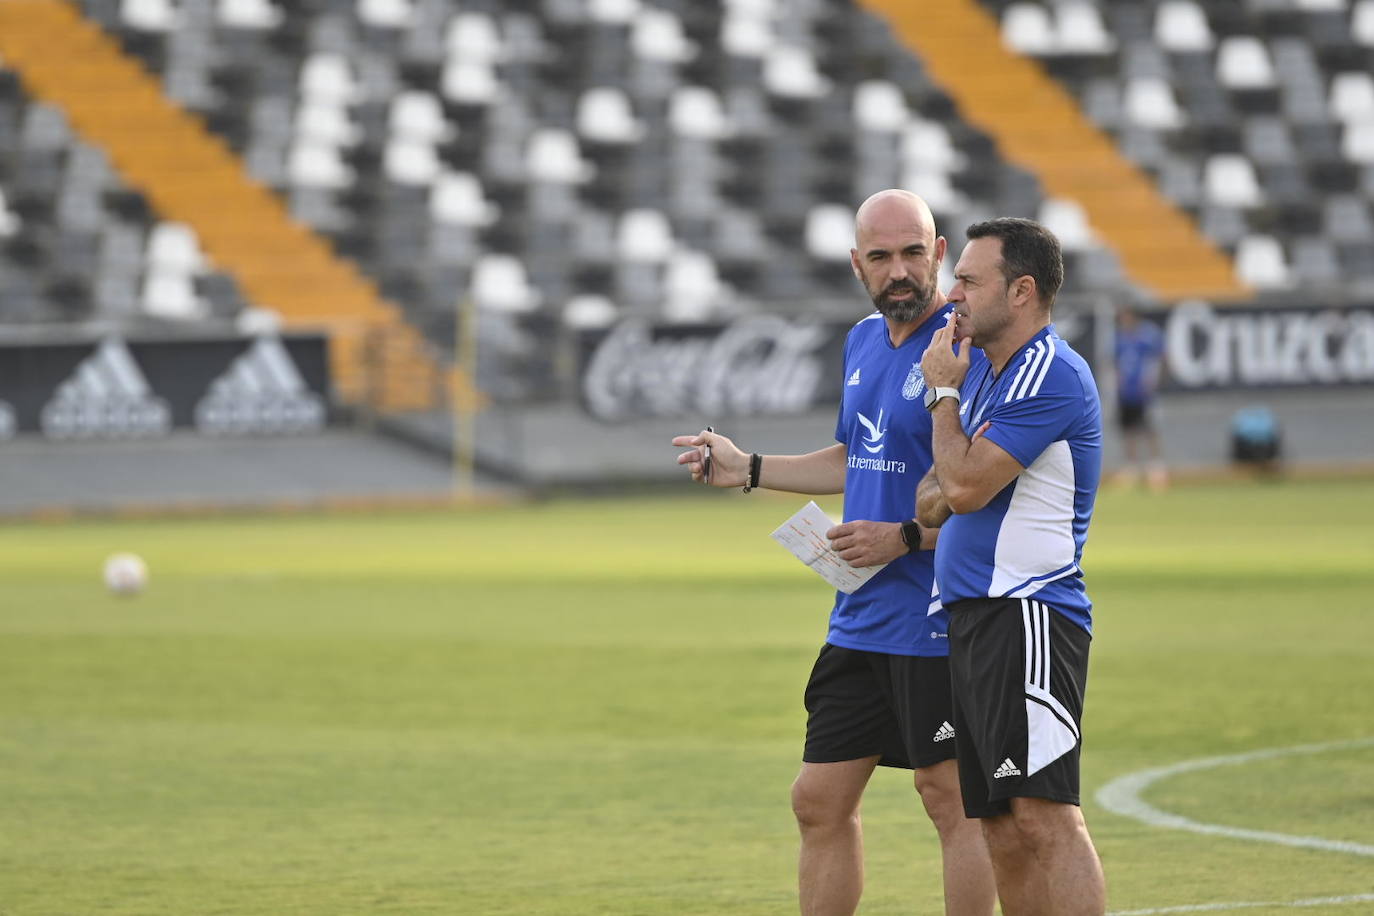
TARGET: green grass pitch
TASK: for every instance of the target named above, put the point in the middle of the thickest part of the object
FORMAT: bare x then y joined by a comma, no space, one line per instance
595,708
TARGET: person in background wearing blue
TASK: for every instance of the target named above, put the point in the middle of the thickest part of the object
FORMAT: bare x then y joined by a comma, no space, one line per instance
1139,361
879,692
1017,460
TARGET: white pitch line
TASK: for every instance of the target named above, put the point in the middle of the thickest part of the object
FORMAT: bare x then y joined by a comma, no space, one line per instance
1219,907
1122,796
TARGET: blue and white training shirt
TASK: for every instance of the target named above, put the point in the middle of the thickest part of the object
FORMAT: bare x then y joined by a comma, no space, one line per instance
885,427
1028,540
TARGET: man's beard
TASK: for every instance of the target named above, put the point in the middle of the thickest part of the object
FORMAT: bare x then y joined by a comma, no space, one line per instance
904,310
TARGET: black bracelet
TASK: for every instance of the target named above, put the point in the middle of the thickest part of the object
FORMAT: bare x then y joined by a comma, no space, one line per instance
755,468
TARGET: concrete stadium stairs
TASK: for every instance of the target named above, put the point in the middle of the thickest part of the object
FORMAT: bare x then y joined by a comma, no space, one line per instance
1040,127
191,176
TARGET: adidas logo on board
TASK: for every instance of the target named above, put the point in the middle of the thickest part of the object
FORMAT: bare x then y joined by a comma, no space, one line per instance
106,396
261,392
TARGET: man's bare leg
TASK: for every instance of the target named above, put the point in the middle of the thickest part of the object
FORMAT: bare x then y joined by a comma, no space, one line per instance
830,868
1045,861
969,886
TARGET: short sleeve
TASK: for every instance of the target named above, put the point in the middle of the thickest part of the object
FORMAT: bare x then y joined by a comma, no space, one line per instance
1041,410
840,432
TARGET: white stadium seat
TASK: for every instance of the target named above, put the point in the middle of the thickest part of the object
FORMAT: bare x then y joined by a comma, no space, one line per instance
386,14
500,283
658,35
604,115
880,106
644,235
1069,221
249,14
1260,263
553,155
1352,96
318,165
830,232
1026,27
1080,29
411,162
457,198
1243,62
1229,180
696,112
1181,26
149,15
174,248
417,115
692,290
1150,102
790,71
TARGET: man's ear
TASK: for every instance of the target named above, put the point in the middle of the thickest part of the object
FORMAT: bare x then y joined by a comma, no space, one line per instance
1023,290
941,246
854,263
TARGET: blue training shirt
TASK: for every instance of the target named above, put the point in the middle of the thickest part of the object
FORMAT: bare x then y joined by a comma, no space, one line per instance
1138,354
885,427
1028,540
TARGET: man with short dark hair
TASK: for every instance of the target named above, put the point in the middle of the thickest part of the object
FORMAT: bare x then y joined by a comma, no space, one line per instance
1017,458
879,690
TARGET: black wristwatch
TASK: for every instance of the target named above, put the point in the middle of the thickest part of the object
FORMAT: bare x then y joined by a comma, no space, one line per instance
911,534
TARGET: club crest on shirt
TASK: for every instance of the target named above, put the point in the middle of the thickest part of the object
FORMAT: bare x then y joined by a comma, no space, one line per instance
914,384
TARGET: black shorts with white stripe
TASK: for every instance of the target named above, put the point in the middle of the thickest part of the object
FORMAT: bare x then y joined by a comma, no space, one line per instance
1018,670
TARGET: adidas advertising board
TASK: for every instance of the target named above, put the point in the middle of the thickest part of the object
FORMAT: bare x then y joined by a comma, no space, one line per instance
105,397
120,389
260,392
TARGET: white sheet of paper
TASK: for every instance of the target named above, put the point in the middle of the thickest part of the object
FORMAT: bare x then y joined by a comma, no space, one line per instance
804,535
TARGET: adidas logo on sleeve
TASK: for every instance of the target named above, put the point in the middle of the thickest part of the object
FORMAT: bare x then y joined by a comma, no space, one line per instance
1006,769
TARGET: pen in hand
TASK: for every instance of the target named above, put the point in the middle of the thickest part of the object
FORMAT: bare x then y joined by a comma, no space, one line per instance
706,459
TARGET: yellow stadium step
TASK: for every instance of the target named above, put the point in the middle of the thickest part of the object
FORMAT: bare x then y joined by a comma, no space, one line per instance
190,176
1038,126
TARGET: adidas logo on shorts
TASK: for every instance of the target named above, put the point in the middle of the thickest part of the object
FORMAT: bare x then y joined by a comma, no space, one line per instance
944,733
1006,769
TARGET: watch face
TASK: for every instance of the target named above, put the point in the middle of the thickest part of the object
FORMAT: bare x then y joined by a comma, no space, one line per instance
935,394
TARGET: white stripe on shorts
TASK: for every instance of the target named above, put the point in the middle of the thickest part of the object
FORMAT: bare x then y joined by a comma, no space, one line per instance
1050,729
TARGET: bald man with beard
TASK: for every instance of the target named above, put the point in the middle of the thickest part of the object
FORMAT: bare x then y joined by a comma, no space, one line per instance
879,693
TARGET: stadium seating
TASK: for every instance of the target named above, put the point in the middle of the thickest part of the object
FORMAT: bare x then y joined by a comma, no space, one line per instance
1254,117
589,158
636,152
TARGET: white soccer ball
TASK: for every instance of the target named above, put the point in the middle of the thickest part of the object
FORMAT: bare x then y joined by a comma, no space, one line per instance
125,574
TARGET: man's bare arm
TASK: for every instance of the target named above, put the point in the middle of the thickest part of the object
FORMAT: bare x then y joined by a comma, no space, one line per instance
817,473
931,508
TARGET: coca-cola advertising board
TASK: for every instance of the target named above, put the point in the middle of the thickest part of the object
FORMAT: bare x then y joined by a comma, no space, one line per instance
753,366
756,366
